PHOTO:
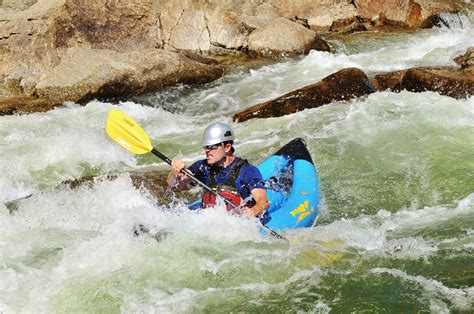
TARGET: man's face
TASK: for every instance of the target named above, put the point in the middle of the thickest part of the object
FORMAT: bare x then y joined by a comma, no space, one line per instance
215,153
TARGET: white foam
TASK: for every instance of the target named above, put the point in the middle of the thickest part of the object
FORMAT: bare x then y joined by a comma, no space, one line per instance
434,289
378,235
62,238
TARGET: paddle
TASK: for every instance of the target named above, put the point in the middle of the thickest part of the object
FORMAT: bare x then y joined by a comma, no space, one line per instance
128,134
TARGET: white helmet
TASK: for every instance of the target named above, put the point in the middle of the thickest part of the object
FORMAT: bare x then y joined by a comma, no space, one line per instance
217,133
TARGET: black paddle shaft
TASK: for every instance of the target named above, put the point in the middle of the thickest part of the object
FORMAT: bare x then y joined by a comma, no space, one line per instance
208,189
189,174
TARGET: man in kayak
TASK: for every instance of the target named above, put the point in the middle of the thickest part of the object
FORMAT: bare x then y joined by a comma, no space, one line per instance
234,178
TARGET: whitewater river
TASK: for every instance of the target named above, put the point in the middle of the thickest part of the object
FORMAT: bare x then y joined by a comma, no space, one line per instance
395,231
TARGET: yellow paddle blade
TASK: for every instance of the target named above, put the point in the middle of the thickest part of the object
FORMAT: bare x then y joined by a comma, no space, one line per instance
127,133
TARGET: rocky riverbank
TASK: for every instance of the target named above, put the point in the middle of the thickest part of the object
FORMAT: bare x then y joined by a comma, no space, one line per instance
54,51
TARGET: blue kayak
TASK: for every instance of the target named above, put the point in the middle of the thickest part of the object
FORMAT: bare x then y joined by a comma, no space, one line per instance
292,187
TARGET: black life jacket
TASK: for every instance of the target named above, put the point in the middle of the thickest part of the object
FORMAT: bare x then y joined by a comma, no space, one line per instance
228,189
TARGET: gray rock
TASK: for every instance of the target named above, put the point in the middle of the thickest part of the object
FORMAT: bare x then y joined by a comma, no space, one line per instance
80,74
282,37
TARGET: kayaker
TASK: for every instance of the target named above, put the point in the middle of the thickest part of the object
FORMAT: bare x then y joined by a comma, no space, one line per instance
234,178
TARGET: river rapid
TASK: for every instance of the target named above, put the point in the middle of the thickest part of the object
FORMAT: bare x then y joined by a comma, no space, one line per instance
395,231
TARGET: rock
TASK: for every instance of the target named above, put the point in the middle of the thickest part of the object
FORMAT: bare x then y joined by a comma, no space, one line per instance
57,50
321,24
348,26
12,105
241,25
154,181
104,73
183,26
27,30
450,82
390,80
81,74
227,30
49,24
253,22
404,14
442,19
335,18
198,57
343,85
266,11
115,25
282,37
319,16
466,60
17,4
305,9
201,26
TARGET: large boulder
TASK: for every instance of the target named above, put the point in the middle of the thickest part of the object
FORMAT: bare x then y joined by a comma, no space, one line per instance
321,16
202,26
343,85
183,25
117,25
217,27
405,14
49,24
457,83
53,51
80,74
227,30
83,74
282,37
450,81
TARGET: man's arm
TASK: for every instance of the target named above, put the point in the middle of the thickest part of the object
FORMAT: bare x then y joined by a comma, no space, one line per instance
261,202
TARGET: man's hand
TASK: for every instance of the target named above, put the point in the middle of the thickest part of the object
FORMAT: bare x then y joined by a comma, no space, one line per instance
261,204
177,166
176,177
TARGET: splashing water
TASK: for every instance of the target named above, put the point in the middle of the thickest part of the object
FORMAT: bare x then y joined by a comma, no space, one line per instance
395,232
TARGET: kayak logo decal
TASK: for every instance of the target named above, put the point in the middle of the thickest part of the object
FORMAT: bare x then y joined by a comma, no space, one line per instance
130,123
302,211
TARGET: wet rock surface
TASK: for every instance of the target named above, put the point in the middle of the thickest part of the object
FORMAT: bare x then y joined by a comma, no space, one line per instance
345,84
390,81
53,51
453,83
449,81
20,104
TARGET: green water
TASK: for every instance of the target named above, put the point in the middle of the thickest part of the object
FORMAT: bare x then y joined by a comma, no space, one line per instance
395,231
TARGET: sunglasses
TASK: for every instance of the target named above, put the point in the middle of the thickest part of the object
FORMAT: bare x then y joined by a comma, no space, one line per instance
212,147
